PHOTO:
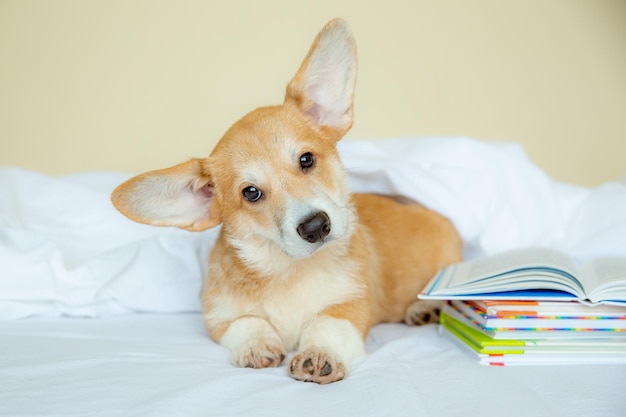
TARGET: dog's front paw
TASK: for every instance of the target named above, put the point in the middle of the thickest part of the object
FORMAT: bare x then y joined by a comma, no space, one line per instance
423,312
258,354
316,365
253,343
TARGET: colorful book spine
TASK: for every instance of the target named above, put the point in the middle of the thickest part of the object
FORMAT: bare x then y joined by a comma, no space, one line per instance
535,321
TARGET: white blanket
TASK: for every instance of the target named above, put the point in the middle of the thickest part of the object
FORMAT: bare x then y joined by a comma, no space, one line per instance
64,250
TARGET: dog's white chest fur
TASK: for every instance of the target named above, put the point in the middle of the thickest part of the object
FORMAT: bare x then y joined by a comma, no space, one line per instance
290,308
291,300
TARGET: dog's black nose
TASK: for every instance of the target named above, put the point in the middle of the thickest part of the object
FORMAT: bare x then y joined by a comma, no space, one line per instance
315,228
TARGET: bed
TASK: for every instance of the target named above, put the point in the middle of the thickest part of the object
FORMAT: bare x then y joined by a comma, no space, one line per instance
101,316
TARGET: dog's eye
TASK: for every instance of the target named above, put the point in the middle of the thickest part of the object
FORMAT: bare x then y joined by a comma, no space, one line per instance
252,194
307,160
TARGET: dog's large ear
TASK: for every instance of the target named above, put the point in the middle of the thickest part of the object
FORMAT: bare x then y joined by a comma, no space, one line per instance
323,87
180,196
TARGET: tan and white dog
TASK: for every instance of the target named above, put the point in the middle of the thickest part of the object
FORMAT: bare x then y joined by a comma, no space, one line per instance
300,263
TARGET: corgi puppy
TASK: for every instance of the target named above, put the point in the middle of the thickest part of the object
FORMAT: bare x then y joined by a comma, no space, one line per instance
300,264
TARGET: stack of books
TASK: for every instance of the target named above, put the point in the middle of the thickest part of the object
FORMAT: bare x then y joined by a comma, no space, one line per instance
502,333
534,306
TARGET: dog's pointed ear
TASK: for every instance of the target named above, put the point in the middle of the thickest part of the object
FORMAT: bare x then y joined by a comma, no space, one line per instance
323,87
180,196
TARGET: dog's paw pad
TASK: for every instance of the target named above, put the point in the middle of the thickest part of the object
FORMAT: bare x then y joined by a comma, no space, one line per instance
423,312
314,365
260,356
267,361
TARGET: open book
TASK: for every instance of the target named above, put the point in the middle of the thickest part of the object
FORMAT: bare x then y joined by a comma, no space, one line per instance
531,274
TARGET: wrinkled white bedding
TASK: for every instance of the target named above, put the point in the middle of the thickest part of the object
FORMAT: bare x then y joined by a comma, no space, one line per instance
65,252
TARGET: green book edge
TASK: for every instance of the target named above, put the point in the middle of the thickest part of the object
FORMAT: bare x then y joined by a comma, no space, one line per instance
478,341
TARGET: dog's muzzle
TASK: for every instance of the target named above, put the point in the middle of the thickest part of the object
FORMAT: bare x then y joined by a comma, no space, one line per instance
315,228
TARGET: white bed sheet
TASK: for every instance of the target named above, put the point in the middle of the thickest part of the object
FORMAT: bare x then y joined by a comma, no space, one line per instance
164,365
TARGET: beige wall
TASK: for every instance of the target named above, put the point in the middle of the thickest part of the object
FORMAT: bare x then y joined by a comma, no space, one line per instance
140,84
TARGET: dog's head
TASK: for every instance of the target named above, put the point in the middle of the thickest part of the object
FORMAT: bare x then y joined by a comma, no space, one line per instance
274,180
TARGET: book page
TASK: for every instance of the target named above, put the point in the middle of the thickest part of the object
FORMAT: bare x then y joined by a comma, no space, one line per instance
521,258
610,270
609,279
537,267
